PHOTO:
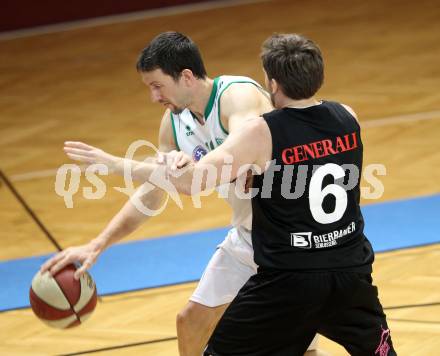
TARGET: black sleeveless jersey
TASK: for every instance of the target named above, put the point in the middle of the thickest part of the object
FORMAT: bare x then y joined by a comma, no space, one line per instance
306,214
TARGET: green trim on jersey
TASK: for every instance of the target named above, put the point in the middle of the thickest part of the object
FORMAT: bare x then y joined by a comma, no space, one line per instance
174,131
219,96
211,98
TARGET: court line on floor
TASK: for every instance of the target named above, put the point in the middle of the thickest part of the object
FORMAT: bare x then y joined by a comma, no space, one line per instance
110,348
414,321
372,123
44,173
28,209
398,119
123,18
25,132
408,306
413,250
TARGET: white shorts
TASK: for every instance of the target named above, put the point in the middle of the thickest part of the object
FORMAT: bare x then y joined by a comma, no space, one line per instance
228,270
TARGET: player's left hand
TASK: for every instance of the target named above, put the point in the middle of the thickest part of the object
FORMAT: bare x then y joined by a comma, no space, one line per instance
174,159
79,151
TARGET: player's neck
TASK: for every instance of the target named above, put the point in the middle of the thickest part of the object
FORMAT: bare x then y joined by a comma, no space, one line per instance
298,104
202,93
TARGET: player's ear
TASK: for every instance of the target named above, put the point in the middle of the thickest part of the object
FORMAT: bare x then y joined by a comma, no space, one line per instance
187,76
273,86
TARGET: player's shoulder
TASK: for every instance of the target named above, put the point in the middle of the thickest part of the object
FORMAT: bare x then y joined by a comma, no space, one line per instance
236,83
350,110
239,91
236,90
227,79
340,107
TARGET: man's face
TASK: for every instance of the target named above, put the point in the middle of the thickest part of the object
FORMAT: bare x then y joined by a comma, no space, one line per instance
174,95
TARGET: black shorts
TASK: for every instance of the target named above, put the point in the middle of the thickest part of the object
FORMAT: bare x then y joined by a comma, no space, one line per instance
278,313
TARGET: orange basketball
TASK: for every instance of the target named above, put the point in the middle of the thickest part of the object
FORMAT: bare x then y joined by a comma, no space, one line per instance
61,301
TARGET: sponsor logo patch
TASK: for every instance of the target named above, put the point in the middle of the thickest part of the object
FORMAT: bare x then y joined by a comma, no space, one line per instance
301,239
198,153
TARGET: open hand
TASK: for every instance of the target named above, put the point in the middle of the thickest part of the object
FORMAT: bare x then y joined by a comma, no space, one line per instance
79,151
85,254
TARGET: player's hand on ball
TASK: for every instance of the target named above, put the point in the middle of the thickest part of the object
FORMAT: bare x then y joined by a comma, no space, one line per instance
79,151
85,254
174,159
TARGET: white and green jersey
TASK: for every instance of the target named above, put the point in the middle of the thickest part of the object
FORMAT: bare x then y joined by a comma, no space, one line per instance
197,140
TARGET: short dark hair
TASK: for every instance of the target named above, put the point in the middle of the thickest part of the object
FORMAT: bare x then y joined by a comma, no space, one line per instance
172,52
295,62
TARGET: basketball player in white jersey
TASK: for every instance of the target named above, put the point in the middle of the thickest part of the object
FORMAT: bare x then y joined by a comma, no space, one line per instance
200,113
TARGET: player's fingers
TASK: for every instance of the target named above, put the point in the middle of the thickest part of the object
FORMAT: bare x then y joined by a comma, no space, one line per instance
78,144
174,157
61,264
183,161
78,151
175,160
50,262
80,158
161,157
45,267
80,271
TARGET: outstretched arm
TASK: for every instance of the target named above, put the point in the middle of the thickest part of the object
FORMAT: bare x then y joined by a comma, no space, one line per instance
241,104
250,144
127,220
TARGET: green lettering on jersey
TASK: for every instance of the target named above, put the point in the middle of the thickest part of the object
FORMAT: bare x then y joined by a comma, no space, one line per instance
210,145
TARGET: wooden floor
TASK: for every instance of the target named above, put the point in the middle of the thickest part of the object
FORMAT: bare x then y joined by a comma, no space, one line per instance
382,58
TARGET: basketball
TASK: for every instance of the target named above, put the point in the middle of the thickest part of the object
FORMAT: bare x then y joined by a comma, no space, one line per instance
62,301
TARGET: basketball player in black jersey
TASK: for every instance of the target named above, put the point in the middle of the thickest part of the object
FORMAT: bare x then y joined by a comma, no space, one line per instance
314,260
